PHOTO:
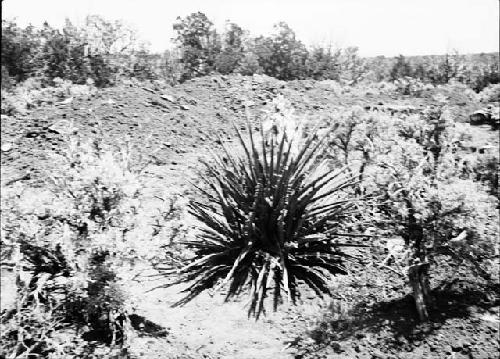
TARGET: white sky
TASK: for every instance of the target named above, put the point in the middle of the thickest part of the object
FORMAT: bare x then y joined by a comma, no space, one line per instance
377,27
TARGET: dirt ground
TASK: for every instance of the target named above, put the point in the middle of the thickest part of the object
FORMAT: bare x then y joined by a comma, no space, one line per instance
177,125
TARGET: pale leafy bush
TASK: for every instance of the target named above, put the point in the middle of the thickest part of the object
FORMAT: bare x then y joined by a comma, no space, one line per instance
491,93
334,85
76,236
410,86
427,196
30,94
16,102
64,89
331,318
249,64
280,121
410,173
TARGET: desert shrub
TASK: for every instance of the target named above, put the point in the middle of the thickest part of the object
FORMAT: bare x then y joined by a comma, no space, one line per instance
6,80
227,61
352,68
401,68
486,171
324,63
431,207
171,69
490,93
231,53
249,64
429,196
23,97
484,75
73,53
13,104
282,55
199,44
409,86
72,241
347,139
102,72
476,71
330,319
64,54
143,67
269,220
29,332
31,93
19,50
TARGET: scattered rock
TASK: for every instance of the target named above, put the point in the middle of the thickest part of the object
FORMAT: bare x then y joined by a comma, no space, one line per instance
158,103
148,89
63,127
457,345
377,354
6,147
168,98
337,348
67,101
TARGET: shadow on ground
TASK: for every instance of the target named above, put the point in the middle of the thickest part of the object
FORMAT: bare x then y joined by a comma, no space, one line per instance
399,317
146,327
142,326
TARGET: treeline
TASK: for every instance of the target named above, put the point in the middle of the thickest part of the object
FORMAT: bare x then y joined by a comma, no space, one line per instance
105,51
78,54
282,55
476,70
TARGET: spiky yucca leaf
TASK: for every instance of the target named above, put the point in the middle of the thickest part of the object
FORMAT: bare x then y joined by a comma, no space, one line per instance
268,221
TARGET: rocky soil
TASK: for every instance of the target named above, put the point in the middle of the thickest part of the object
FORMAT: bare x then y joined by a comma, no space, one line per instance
373,316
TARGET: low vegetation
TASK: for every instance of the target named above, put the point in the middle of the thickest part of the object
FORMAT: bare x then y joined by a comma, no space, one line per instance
271,218
285,209
67,245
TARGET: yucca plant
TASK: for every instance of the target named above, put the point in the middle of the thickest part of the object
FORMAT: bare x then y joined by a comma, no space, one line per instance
270,219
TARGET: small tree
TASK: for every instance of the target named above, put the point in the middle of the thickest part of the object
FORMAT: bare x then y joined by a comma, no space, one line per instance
281,55
324,63
289,55
231,49
249,64
19,50
352,66
430,205
199,44
402,68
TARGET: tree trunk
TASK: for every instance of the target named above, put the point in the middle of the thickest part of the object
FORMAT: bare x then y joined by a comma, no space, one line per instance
419,281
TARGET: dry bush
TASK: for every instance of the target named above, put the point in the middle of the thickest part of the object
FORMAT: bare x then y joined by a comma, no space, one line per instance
491,93
411,86
31,93
71,241
413,166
